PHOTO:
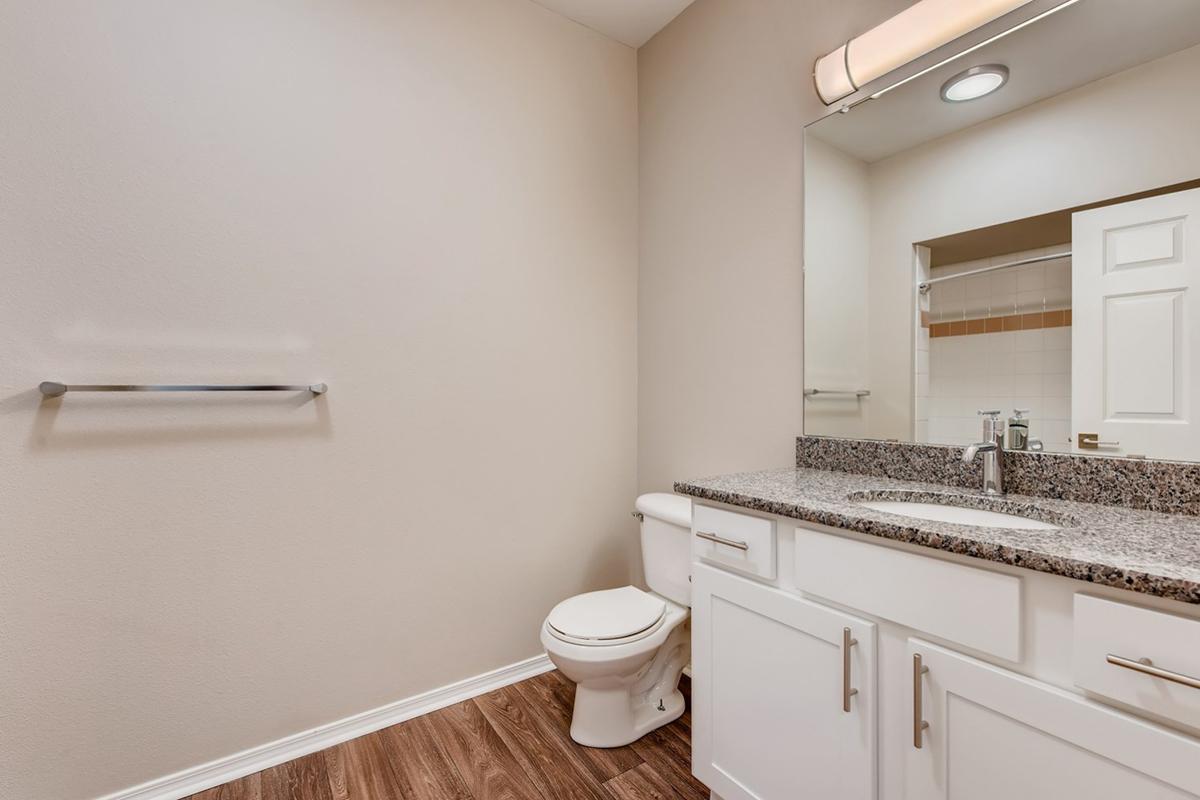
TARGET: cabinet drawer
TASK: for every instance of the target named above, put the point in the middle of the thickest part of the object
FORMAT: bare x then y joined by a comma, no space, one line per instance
734,541
973,607
1109,634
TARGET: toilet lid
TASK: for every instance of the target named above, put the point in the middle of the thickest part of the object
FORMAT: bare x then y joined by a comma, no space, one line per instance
608,614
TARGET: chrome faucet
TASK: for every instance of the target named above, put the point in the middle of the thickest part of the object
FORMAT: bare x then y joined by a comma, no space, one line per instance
992,448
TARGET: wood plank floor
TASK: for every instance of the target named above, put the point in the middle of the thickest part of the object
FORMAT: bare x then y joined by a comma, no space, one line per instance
511,744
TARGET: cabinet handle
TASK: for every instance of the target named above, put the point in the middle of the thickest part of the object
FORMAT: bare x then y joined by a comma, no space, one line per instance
1145,667
712,537
847,692
919,724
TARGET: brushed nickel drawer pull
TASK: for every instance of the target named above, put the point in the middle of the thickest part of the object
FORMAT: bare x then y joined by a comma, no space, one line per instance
1144,666
712,537
919,724
847,692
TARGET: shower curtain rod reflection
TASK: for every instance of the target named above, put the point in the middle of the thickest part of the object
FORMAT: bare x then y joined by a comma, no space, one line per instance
923,286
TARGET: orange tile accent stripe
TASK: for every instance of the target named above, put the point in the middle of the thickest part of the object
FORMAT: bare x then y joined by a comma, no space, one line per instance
1013,322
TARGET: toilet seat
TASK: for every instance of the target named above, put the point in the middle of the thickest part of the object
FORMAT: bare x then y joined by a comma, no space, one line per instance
606,618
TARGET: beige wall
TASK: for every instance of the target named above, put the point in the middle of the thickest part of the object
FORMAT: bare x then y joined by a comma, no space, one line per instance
430,205
1123,134
724,92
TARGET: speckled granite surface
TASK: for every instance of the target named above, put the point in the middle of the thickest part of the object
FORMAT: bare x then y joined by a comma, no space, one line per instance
1172,487
1143,551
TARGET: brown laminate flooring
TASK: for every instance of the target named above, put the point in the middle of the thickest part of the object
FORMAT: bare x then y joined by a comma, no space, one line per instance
510,744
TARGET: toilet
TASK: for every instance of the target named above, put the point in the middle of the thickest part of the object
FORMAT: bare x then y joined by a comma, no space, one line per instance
625,648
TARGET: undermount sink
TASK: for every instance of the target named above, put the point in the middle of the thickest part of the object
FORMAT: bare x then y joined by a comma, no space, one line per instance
946,508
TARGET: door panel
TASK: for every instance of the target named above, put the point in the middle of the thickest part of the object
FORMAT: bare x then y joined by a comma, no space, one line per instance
1136,326
1144,245
769,720
1143,336
994,734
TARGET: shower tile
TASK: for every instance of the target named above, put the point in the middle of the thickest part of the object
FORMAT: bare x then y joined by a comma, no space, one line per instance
1030,278
1057,338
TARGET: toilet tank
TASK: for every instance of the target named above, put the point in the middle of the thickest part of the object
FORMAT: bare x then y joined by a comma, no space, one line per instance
667,545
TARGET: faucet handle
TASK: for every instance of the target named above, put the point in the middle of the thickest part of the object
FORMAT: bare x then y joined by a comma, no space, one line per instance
993,426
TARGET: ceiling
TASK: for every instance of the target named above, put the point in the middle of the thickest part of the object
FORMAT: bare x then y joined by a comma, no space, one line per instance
630,22
1078,45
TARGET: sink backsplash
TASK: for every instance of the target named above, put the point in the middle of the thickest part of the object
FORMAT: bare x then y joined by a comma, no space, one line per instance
1171,487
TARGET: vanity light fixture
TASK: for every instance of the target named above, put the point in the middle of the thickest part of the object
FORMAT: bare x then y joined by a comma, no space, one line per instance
974,83
919,29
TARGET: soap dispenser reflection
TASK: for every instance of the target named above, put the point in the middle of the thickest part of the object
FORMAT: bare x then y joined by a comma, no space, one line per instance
1018,432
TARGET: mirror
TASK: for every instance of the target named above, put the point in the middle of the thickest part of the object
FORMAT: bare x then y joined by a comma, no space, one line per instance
1033,252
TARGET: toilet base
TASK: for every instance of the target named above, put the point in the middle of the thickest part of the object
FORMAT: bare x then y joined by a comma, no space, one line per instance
604,718
612,710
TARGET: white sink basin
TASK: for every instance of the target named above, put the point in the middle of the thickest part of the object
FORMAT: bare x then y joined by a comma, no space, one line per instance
957,514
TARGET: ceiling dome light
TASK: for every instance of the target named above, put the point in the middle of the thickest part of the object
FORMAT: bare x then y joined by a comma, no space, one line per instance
974,83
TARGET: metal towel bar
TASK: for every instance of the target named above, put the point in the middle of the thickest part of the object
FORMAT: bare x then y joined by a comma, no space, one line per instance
854,392
55,389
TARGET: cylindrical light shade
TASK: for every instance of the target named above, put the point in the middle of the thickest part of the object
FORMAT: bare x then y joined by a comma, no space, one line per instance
919,29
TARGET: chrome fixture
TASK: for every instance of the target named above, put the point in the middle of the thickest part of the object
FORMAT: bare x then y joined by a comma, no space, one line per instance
1091,441
855,392
1018,433
923,286
847,690
1146,667
992,447
919,723
55,389
712,537
974,83
1018,429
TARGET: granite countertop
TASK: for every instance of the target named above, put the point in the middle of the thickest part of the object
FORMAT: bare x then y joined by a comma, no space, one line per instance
1142,551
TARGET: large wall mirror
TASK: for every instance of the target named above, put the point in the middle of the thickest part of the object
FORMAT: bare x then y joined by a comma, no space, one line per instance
1018,231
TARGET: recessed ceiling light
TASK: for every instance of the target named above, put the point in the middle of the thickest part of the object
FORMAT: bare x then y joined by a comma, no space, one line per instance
974,83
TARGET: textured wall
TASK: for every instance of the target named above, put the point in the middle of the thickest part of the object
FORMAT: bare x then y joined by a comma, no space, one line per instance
430,205
724,93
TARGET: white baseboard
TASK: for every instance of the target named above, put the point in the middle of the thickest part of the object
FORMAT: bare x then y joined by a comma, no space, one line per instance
214,773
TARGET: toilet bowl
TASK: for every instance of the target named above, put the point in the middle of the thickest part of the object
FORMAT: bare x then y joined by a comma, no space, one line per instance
625,648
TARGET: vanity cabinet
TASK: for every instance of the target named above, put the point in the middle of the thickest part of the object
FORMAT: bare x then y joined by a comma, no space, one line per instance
783,693
995,735
969,683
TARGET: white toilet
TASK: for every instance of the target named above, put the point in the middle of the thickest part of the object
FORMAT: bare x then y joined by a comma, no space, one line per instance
625,648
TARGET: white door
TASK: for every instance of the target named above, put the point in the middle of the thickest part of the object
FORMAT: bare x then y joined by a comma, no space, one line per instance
996,735
1136,326
774,714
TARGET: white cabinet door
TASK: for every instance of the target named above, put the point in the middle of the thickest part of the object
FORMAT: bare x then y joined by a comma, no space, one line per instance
996,735
772,715
1136,325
